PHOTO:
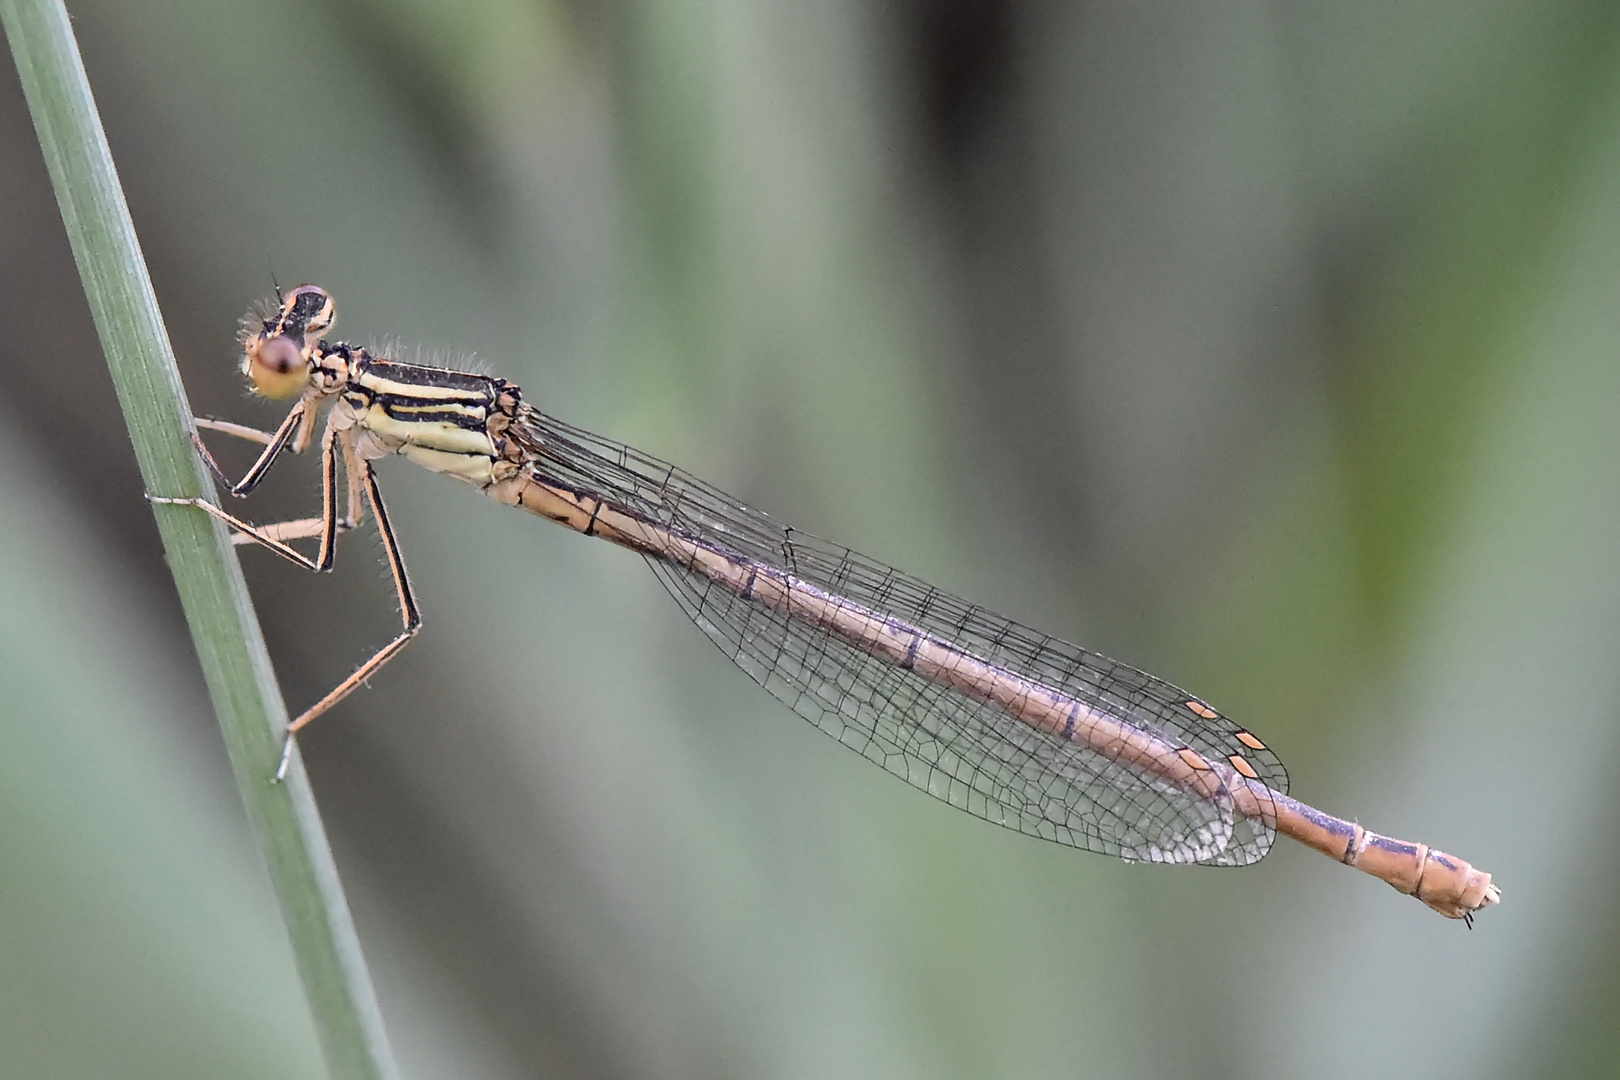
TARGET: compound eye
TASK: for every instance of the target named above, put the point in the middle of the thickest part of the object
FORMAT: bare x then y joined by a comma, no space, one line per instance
308,311
276,366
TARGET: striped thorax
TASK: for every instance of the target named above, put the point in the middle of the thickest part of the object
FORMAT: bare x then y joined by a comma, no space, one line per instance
449,422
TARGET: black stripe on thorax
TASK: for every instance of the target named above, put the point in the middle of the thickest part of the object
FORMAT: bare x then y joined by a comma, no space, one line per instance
414,393
429,378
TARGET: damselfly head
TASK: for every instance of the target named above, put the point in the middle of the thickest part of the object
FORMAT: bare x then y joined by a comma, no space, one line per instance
278,354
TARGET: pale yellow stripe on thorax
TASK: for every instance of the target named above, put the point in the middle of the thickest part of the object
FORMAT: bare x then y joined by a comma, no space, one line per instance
476,469
375,383
445,436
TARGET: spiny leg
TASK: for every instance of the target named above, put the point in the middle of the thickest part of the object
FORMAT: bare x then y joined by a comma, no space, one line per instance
275,442
302,421
274,536
359,477
303,528
409,615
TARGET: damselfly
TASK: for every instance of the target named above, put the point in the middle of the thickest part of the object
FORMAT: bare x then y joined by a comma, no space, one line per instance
1010,725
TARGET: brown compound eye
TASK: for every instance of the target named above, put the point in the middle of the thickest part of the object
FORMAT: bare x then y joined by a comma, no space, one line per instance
276,366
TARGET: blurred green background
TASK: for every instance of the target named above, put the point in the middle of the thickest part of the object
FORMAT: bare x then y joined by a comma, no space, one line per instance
1272,348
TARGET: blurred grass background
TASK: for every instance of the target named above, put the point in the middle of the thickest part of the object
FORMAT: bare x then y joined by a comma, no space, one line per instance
1271,348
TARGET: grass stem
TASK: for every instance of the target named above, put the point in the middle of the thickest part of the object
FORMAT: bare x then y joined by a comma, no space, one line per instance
209,579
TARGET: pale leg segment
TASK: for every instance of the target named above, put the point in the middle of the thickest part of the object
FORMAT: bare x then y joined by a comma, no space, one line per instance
241,431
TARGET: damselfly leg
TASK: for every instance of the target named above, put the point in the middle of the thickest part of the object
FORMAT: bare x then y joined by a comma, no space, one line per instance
359,477
300,422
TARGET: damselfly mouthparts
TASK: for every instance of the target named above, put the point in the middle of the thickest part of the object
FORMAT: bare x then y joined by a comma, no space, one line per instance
1006,723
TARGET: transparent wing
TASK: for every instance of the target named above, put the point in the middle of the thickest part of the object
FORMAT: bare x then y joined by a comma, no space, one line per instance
964,751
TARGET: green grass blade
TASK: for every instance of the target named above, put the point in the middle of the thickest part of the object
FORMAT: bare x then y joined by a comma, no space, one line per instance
209,579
